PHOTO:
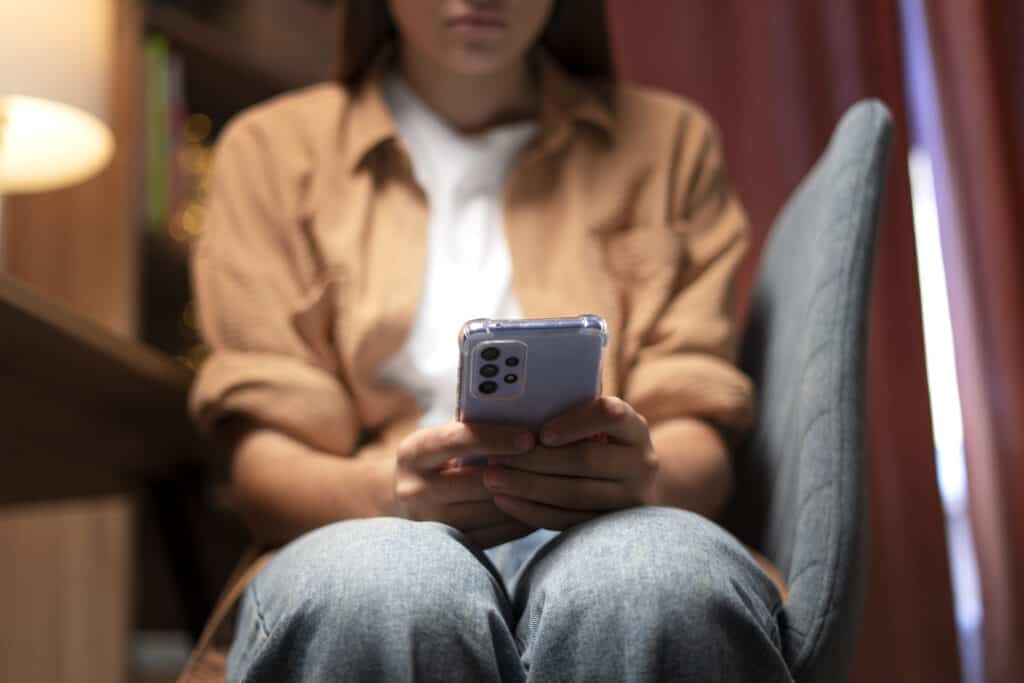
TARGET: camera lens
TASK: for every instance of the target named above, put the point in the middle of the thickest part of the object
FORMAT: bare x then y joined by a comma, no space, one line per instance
489,370
490,353
511,379
488,387
512,361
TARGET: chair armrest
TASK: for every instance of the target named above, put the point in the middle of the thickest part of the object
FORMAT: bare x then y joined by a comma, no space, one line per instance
801,479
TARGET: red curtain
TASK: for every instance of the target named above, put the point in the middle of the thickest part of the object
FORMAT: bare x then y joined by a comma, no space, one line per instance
777,76
980,71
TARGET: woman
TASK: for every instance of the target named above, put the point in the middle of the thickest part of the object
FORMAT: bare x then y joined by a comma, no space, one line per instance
477,160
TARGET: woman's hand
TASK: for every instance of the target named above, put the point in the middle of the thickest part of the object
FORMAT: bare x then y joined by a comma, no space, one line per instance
595,458
431,485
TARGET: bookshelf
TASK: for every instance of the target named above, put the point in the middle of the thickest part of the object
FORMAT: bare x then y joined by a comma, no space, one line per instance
227,56
224,74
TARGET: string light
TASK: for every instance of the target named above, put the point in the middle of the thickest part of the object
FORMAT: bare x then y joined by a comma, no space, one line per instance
198,128
194,160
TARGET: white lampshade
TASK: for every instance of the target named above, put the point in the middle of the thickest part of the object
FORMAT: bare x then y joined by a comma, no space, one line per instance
55,79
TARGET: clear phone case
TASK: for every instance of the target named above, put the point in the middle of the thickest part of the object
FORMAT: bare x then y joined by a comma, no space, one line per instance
524,372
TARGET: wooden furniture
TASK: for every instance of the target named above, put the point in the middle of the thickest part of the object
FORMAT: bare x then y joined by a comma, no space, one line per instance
67,584
87,413
83,412
234,55
224,74
87,567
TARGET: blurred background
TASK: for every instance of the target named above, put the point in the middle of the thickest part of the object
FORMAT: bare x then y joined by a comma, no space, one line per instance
93,531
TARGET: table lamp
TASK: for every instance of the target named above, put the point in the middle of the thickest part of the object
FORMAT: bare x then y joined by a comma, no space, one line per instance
55,80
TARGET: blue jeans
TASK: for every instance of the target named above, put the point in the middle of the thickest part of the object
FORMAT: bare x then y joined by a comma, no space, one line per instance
638,595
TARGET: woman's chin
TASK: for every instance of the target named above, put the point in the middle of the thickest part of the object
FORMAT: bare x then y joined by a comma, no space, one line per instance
477,60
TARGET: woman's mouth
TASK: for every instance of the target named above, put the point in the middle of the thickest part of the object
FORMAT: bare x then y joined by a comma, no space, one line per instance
477,21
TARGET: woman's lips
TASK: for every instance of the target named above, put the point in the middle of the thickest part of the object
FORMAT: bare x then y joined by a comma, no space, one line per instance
477,21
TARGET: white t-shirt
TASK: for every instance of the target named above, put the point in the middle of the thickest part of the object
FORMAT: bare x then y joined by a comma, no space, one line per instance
469,270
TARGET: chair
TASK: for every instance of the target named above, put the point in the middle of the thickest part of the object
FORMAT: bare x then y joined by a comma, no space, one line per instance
801,475
800,495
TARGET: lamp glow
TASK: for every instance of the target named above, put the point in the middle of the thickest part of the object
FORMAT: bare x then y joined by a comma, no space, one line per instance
55,81
47,145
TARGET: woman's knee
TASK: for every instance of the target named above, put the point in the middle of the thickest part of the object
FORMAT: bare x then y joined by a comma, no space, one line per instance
369,572
665,569
650,593
370,599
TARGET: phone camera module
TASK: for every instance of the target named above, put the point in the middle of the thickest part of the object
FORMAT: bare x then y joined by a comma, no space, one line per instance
512,361
489,371
490,353
511,379
488,387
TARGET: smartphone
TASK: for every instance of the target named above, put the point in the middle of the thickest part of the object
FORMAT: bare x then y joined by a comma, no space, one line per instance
522,373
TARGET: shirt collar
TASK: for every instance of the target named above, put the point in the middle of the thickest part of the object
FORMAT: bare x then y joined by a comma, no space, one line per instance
565,101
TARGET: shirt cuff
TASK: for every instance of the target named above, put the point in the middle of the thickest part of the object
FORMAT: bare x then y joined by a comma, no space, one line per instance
278,392
692,385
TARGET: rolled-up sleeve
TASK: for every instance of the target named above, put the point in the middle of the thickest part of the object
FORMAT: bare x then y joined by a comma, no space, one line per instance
268,330
686,368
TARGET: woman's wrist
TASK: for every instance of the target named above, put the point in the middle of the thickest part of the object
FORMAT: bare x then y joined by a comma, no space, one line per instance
381,478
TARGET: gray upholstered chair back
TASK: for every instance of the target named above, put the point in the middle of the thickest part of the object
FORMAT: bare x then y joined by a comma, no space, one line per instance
801,478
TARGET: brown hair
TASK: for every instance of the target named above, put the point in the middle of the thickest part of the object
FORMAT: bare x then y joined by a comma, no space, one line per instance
576,35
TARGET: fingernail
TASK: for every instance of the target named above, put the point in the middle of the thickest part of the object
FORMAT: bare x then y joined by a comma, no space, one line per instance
549,436
493,480
524,441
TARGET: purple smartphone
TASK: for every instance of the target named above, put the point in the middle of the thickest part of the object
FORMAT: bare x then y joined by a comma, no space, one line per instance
522,373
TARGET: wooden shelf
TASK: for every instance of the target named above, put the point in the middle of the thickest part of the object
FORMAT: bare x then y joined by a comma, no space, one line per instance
166,292
203,39
235,56
83,412
223,75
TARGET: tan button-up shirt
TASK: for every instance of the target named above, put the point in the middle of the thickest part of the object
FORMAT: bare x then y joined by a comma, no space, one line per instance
310,268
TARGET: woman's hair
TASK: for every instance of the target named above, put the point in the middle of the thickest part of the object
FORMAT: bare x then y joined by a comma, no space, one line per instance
576,35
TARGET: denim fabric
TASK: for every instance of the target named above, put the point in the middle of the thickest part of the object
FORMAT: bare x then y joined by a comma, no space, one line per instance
638,595
508,558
